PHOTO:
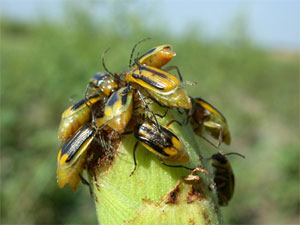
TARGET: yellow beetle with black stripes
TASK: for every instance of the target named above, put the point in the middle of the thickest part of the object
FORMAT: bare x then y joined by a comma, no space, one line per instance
206,117
160,141
164,87
118,109
71,156
77,115
103,83
157,56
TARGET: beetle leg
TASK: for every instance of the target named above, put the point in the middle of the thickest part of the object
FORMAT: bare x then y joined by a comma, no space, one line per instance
185,122
179,74
176,166
84,181
104,143
134,158
190,112
148,109
99,141
220,139
168,68
208,141
173,121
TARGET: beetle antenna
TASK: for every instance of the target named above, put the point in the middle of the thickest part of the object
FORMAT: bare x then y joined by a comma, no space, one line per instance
235,153
103,63
230,153
104,66
134,47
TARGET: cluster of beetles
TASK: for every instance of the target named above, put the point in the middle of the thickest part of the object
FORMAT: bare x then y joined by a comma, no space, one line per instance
119,104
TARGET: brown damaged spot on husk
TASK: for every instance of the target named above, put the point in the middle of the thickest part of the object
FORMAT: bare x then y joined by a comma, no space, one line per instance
146,202
150,208
195,182
150,202
100,158
173,199
172,196
191,221
95,197
206,217
193,195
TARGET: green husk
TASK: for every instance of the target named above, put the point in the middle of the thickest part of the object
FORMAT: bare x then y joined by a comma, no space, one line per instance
154,194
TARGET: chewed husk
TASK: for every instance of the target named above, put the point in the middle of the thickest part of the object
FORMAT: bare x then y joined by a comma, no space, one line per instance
155,193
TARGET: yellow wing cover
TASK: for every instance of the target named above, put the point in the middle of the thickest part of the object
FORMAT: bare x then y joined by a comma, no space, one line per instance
71,156
118,109
157,56
76,115
163,142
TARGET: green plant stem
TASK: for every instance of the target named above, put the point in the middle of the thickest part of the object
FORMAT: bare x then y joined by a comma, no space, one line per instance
155,193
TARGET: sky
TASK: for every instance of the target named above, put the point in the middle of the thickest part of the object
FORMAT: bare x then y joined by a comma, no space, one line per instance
271,23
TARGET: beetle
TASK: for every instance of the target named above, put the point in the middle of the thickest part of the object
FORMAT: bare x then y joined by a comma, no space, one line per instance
223,177
103,82
155,57
102,85
164,87
204,116
76,115
158,57
71,156
145,74
162,142
118,109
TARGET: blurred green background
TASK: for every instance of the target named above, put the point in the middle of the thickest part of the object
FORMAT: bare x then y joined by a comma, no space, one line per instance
45,66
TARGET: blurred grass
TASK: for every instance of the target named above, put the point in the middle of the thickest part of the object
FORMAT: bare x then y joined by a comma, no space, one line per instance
44,64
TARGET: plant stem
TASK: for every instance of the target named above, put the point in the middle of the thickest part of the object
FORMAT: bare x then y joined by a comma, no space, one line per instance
155,193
